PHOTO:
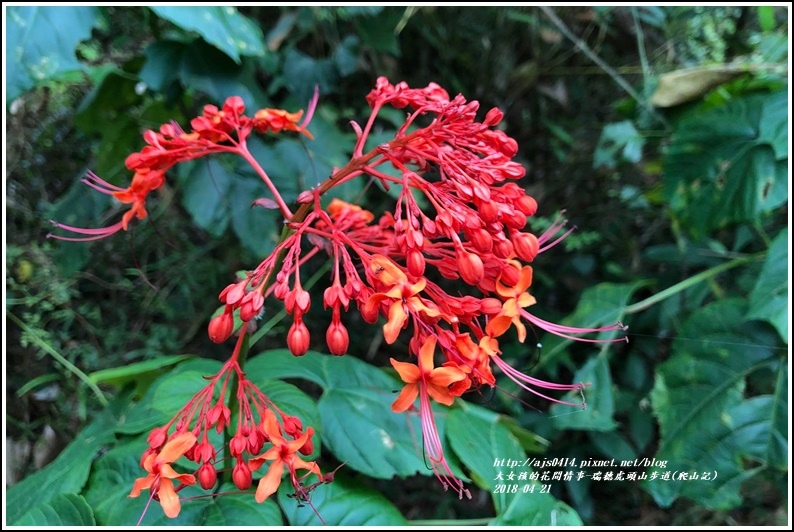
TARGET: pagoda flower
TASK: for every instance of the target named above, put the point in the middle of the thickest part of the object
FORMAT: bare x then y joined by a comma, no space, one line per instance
404,296
426,381
283,454
515,298
161,474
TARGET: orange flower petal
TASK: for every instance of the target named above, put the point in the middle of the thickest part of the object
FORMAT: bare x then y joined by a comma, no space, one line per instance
524,279
141,484
498,326
169,500
522,331
405,399
386,271
525,300
445,376
270,482
177,447
397,317
409,373
272,428
426,354
298,463
440,395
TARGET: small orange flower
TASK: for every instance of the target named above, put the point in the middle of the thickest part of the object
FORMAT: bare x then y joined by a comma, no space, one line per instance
403,294
435,381
516,298
283,453
161,473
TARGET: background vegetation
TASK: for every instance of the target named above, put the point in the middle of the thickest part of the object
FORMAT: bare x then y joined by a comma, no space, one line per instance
662,132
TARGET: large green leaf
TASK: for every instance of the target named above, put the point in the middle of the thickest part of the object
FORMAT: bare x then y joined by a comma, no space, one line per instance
142,373
67,473
729,164
484,447
167,395
359,426
769,299
67,509
223,27
328,371
41,42
340,503
698,399
199,66
361,429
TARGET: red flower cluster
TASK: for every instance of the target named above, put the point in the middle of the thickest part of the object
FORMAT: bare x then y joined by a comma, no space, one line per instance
473,231
258,422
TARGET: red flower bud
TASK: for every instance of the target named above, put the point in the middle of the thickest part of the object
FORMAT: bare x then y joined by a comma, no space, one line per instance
292,425
526,246
510,275
481,240
221,327
337,338
493,117
241,475
471,267
157,437
502,248
490,306
251,306
308,447
255,441
298,338
416,263
514,219
237,445
489,212
527,205
204,452
207,476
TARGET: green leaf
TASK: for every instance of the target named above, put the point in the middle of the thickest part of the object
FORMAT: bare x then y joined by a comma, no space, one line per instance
362,431
599,397
303,72
729,164
67,509
223,27
340,503
697,398
769,299
481,445
359,426
619,142
258,229
208,184
41,42
67,473
199,66
328,371
139,371
241,510
167,395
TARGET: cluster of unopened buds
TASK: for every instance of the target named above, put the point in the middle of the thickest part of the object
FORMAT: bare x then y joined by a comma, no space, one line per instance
473,231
